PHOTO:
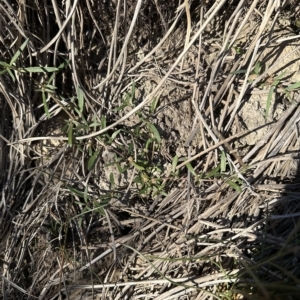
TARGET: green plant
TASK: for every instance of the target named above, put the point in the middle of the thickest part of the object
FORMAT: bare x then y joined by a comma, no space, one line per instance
222,170
11,66
14,71
271,82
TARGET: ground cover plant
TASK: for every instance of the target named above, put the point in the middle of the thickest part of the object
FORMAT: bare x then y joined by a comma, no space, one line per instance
149,149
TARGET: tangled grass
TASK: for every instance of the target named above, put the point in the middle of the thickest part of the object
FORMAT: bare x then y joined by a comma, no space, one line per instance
122,170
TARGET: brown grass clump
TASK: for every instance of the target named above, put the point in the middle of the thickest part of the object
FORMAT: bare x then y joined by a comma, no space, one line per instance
149,149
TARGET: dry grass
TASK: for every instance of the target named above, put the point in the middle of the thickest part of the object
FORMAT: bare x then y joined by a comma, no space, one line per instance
222,222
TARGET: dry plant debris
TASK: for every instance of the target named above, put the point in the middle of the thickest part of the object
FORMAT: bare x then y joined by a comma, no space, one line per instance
149,149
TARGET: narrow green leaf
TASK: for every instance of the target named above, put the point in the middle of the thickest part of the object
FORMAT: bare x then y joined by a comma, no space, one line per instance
100,210
239,181
18,53
4,64
11,74
223,161
47,90
127,101
119,108
112,180
60,67
64,64
115,134
50,87
143,191
103,122
149,142
77,111
45,105
93,159
191,169
139,114
239,72
234,186
154,104
293,86
70,133
269,99
75,191
257,68
105,199
154,131
139,168
119,168
213,172
138,179
41,69
174,163
80,97
85,194
281,76
95,124
278,78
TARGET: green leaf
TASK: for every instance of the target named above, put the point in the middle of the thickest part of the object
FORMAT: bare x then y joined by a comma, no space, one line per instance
93,159
50,87
149,142
11,74
41,69
77,111
70,133
100,210
239,72
103,122
115,134
154,104
213,172
140,115
47,90
174,163
223,161
120,168
60,67
234,185
112,180
269,99
95,124
119,108
4,64
64,64
278,78
154,131
293,86
257,68
75,191
80,97
18,53
45,105
191,169
139,168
